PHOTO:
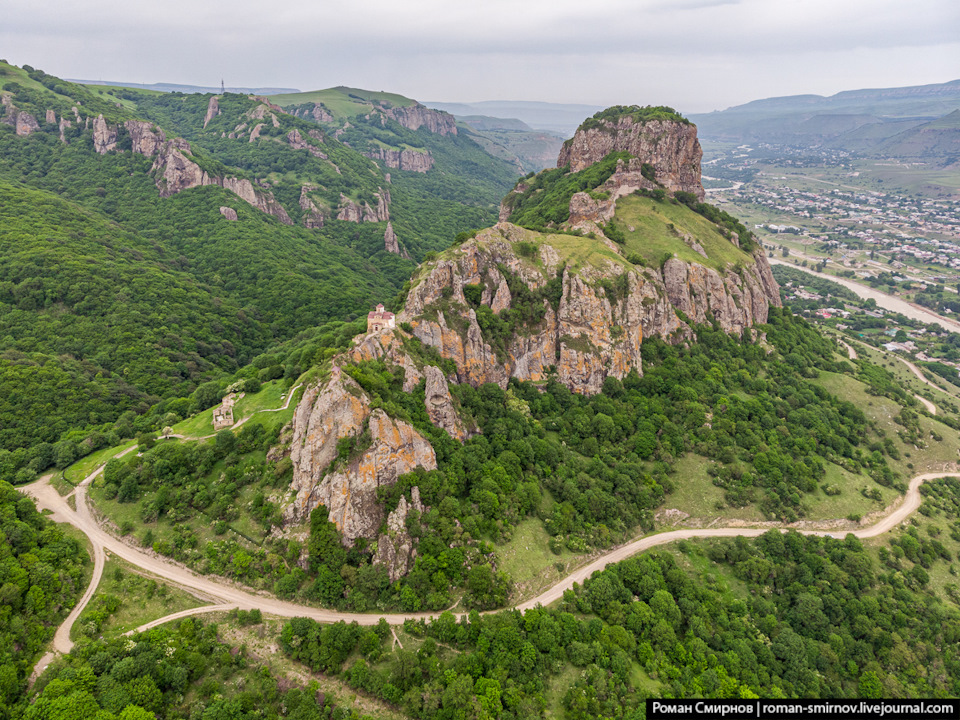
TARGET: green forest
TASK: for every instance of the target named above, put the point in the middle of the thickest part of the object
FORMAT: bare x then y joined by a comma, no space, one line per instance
779,616
115,301
126,316
590,469
42,574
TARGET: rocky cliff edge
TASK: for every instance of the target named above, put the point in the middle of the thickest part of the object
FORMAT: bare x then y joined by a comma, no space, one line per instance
595,308
669,147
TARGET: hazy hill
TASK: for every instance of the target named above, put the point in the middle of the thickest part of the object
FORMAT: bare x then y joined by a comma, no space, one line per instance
180,87
855,120
939,139
560,118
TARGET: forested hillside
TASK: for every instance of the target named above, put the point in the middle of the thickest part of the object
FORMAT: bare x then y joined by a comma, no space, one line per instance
41,578
114,298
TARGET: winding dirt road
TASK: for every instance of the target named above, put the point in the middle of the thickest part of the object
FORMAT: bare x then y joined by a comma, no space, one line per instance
851,353
920,376
228,596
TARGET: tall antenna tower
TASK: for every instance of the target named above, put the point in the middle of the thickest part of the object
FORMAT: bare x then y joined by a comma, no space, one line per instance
221,86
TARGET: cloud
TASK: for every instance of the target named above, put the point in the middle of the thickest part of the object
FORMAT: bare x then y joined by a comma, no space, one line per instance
546,49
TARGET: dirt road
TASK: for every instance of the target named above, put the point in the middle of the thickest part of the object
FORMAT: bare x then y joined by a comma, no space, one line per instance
851,353
231,596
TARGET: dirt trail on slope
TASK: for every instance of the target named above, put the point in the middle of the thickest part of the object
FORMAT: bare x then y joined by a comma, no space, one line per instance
851,353
230,596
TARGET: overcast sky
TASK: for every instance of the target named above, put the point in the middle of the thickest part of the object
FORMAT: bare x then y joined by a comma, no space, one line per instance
696,55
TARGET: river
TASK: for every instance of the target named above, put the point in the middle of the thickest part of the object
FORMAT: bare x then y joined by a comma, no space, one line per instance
887,302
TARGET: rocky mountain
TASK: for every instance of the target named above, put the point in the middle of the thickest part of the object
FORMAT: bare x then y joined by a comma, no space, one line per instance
573,304
666,144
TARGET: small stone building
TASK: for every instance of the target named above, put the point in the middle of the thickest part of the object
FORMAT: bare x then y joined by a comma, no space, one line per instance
223,413
380,319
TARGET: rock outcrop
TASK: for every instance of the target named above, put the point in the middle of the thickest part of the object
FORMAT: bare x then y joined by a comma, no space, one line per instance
229,213
213,109
312,111
597,327
313,216
176,171
412,160
395,548
298,142
390,241
440,406
670,147
416,116
352,211
104,136
385,449
146,139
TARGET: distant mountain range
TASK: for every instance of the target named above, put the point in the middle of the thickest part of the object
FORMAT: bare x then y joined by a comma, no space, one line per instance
910,122
917,122
178,87
562,119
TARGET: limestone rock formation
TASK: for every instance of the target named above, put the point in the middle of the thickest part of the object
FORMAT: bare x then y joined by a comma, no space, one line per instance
395,549
320,114
297,142
590,334
440,406
352,211
416,116
104,136
146,138
312,111
26,124
175,172
412,160
390,242
385,345
213,109
64,126
585,209
389,448
671,147
349,210
313,216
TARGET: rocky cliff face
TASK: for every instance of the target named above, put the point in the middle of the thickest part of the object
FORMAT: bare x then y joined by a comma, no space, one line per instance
213,109
298,142
671,147
391,242
395,549
352,211
313,216
175,171
414,117
412,160
386,448
603,314
173,167
104,136
22,122
440,406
